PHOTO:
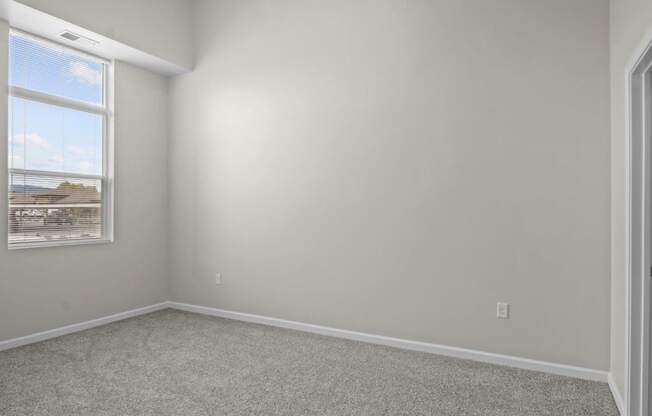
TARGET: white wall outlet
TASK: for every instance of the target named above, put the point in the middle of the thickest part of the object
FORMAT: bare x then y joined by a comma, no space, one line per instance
218,278
502,310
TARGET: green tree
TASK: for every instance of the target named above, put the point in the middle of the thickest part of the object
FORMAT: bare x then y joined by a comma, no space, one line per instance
79,186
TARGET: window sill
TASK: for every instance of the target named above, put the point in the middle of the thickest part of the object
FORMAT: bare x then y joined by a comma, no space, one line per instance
41,244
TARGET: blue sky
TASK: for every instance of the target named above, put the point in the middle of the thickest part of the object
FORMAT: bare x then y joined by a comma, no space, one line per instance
45,137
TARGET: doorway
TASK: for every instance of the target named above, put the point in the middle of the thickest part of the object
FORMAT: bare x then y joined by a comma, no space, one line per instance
639,234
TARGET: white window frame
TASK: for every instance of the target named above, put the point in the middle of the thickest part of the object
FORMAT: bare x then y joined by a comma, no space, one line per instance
107,176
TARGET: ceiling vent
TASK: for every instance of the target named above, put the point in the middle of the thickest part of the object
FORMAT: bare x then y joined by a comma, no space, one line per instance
81,40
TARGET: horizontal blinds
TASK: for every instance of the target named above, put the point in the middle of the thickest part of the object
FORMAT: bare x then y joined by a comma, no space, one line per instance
45,208
55,70
57,128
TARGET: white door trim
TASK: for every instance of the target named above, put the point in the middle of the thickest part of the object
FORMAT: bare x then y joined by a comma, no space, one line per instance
637,216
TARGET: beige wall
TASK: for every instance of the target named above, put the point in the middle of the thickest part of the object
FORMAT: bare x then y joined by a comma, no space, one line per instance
399,167
46,288
162,28
630,21
381,166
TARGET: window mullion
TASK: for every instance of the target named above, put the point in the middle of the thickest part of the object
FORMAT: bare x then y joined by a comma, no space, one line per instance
64,175
32,95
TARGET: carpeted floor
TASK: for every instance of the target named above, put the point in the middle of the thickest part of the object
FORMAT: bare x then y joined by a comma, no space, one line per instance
178,363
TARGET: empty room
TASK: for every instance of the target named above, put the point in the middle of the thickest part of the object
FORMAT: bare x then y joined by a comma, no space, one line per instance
326,207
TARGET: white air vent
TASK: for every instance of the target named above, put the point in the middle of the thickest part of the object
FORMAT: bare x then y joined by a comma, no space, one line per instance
74,37
70,36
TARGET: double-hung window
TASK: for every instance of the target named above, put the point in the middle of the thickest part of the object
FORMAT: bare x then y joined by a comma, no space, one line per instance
59,182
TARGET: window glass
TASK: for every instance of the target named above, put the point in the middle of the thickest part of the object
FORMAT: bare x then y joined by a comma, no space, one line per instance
41,67
43,208
53,138
57,134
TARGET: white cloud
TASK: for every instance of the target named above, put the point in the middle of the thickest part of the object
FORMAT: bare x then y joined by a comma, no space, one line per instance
85,74
78,151
30,138
58,159
16,161
50,157
84,167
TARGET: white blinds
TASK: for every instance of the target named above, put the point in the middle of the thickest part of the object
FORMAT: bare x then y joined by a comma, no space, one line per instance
43,207
54,70
56,144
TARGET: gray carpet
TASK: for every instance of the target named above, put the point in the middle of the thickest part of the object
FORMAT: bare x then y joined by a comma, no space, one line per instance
178,363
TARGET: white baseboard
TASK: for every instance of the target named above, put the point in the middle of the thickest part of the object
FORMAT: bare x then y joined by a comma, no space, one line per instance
620,403
53,333
486,357
500,359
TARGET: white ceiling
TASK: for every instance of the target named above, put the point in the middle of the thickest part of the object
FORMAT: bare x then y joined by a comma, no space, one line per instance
50,27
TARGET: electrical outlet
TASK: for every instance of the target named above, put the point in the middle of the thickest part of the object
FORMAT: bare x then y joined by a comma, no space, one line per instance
502,310
218,278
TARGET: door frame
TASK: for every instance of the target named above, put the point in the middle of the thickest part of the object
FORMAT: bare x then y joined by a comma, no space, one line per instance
638,229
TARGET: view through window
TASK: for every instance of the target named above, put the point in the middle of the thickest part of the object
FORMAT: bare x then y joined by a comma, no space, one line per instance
57,136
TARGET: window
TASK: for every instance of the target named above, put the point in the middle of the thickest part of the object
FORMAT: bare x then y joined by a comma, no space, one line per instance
59,183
